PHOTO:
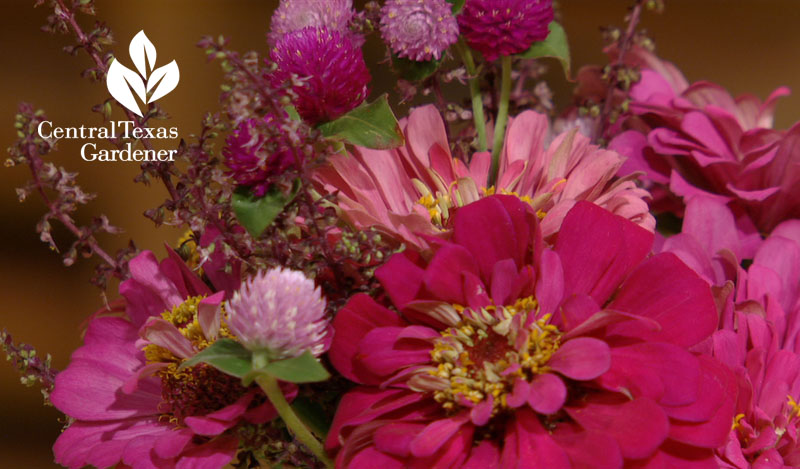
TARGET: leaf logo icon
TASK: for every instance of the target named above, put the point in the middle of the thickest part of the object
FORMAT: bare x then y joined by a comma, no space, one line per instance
123,83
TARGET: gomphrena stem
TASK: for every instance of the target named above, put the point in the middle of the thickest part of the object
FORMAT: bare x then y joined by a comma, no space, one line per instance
475,95
300,431
502,119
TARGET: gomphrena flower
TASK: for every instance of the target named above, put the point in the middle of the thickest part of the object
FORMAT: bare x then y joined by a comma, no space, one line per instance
282,312
418,30
130,403
328,72
501,351
504,27
294,15
258,149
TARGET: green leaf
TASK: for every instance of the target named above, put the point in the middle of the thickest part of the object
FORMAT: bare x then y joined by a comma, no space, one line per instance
256,214
370,125
303,369
292,111
457,5
413,70
555,46
226,355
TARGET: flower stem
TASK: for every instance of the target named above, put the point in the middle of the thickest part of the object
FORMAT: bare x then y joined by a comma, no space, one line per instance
502,118
475,94
270,386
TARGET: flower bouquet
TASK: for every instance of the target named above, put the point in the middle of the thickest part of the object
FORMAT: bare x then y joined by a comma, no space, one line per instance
481,282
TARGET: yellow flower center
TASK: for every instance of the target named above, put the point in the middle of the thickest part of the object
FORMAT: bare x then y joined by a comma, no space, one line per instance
488,350
199,389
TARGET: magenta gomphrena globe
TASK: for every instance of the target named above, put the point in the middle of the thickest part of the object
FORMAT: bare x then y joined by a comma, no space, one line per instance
258,150
279,311
294,15
418,30
330,74
504,27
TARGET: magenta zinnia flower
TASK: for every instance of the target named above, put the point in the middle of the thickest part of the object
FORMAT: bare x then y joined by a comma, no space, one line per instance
698,140
759,336
130,403
280,311
418,30
329,71
504,27
760,340
411,190
294,15
506,353
257,150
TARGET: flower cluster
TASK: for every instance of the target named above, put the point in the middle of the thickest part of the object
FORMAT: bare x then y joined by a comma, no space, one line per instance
355,290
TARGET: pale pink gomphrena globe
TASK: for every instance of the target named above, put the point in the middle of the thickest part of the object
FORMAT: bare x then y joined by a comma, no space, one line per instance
418,30
294,15
282,311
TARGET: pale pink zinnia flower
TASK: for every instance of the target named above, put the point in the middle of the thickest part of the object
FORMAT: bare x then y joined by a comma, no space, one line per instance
411,190
502,352
280,311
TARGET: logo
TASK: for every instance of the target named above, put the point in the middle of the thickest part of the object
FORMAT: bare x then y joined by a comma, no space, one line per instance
148,87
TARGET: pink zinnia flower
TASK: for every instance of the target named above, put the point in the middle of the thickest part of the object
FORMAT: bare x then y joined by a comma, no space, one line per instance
411,190
698,140
294,15
504,27
418,30
329,73
760,340
280,311
130,404
759,336
506,353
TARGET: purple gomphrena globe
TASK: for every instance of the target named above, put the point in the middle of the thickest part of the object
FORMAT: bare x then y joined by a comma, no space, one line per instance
257,150
418,30
331,74
504,27
279,311
294,15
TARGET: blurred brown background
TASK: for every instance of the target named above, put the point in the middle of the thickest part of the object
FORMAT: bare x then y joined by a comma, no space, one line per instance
745,45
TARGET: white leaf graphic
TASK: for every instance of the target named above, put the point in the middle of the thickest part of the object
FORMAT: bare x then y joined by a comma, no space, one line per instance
142,48
168,76
120,80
